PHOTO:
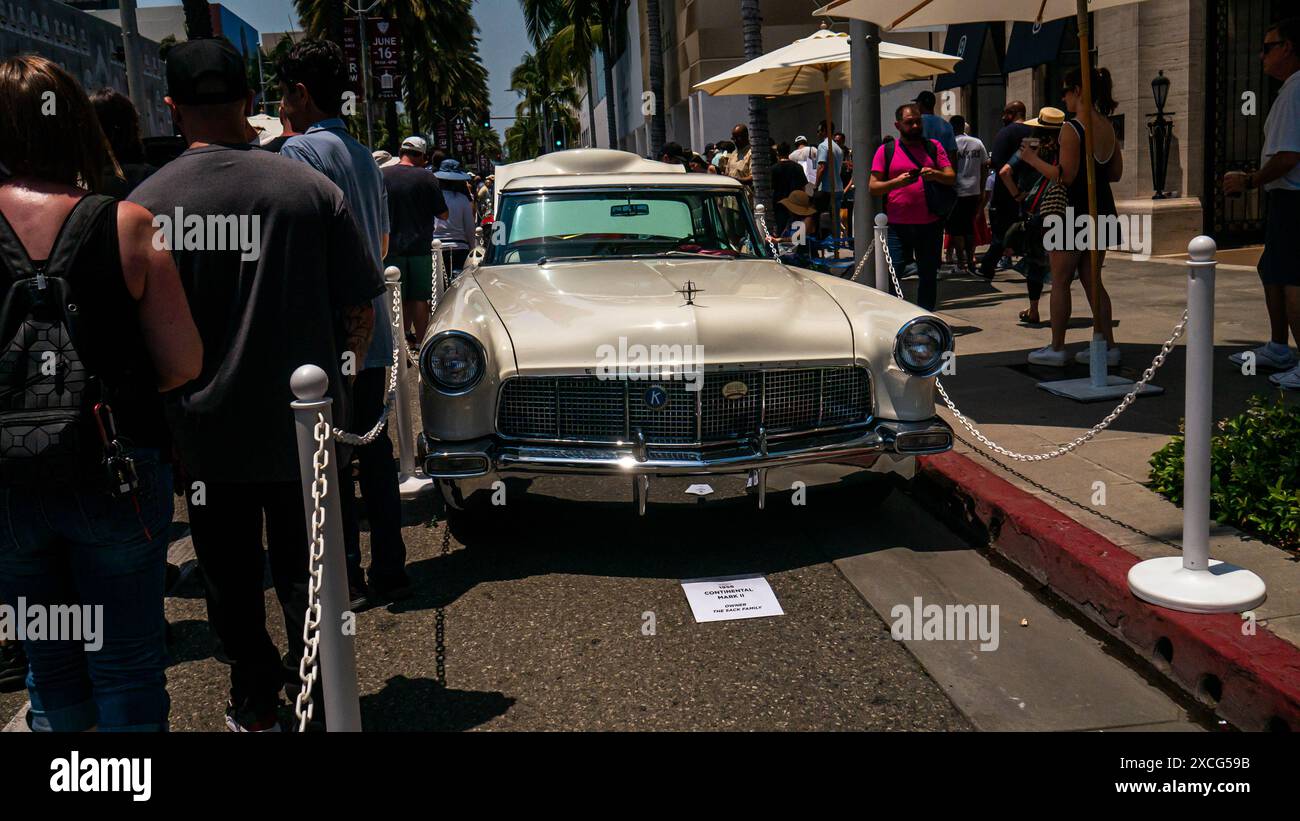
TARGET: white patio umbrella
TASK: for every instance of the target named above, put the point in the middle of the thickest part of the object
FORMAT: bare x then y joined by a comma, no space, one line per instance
890,14
820,62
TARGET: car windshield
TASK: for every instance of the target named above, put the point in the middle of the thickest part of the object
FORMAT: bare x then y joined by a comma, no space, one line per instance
553,225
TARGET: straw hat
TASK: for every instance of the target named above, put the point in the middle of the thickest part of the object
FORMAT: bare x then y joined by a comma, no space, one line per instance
1048,117
798,202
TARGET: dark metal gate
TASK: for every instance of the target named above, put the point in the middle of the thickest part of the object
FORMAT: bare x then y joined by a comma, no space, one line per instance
1236,30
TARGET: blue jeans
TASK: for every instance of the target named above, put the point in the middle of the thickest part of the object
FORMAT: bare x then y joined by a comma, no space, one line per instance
86,548
923,243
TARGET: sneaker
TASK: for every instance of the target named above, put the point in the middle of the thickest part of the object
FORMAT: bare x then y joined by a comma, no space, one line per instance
1046,356
1004,264
1085,357
358,597
1267,355
13,667
1287,379
248,720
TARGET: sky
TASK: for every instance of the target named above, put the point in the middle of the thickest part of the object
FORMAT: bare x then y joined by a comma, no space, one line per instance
502,40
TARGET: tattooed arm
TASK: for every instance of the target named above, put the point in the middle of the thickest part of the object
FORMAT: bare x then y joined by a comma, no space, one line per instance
358,326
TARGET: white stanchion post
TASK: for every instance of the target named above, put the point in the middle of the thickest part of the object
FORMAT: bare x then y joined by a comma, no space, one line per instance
337,659
410,481
882,236
1195,583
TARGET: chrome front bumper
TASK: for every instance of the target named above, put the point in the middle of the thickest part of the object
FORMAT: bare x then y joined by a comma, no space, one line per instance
465,467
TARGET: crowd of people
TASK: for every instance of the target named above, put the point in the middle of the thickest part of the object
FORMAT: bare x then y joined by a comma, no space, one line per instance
179,354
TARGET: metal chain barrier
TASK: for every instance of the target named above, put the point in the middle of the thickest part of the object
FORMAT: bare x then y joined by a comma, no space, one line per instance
760,215
866,255
309,664
1076,442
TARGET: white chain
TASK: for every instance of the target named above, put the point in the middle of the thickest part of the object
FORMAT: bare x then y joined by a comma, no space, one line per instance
866,255
1077,441
309,664
762,228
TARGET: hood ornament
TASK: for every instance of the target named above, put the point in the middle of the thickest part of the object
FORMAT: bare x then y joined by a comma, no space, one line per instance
689,291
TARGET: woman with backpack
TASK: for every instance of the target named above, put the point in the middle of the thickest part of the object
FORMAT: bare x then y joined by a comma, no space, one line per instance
95,326
1068,188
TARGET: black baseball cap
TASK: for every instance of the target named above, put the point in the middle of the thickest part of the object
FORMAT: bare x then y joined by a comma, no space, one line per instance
206,72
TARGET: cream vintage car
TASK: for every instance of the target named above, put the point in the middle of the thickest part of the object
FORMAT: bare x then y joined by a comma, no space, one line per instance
627,334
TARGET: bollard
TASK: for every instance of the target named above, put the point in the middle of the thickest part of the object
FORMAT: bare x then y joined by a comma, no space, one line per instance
438,276
882,236
409,482
337,659
1195,583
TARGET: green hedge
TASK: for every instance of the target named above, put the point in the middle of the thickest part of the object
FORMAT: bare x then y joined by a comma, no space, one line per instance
1254,471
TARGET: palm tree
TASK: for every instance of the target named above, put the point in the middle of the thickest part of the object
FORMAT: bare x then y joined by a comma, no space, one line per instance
760,140
578,28
445,75
655,37
548,98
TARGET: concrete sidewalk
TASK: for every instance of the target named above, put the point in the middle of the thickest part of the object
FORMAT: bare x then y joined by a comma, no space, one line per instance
1102,484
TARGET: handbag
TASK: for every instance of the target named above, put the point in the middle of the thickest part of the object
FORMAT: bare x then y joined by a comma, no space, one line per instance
1053,199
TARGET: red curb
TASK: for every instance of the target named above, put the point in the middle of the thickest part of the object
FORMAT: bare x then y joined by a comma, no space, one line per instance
1259,674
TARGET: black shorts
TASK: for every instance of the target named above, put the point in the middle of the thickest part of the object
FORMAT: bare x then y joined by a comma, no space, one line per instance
1280,263
961,219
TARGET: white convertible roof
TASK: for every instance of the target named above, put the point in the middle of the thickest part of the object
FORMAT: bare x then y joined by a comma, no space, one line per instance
599,166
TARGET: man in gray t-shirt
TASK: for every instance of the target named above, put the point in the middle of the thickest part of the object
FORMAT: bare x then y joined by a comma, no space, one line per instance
277,275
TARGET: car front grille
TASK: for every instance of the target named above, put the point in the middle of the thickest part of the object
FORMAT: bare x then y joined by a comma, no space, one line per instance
590,409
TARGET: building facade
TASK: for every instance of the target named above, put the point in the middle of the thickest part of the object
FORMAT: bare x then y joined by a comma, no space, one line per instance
89,48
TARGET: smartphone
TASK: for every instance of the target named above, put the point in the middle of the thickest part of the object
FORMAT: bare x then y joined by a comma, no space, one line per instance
1030,142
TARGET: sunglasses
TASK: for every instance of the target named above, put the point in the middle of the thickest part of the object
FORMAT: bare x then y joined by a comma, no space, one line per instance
1267,47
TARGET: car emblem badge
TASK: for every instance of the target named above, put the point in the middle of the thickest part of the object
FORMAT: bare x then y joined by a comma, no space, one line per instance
689,291
735,390
655,397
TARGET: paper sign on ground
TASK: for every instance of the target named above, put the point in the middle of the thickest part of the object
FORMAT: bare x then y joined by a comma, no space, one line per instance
731,597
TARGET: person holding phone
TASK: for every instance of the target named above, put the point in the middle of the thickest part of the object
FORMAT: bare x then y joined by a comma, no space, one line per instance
899,174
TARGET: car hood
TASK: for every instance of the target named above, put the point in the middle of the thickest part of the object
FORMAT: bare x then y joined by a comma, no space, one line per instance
560,315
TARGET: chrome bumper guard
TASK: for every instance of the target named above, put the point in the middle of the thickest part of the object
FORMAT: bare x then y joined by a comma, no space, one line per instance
640,462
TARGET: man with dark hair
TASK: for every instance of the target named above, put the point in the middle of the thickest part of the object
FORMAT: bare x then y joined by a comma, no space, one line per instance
414,203
740,164
898,175
828,152
302,296
313,76
971,162
935,126
1279,176
787,176
673,154
1005,209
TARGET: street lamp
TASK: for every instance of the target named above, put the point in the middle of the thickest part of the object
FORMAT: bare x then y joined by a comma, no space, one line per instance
1160,135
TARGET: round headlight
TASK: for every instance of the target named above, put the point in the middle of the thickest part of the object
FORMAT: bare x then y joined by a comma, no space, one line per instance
452,361
921,345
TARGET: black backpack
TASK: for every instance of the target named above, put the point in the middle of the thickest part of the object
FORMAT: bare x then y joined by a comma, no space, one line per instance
939,199
48,433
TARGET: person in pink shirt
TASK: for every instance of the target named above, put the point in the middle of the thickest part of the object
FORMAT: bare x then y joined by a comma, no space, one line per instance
915,230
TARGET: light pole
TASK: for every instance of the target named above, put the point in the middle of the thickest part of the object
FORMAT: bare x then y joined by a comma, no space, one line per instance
1160,134
134,70
864,102
365,63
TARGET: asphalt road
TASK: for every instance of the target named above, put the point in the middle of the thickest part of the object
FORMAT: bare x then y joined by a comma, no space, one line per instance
542,622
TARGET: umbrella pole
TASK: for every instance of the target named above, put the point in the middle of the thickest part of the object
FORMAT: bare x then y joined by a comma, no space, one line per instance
830,166
1097,363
